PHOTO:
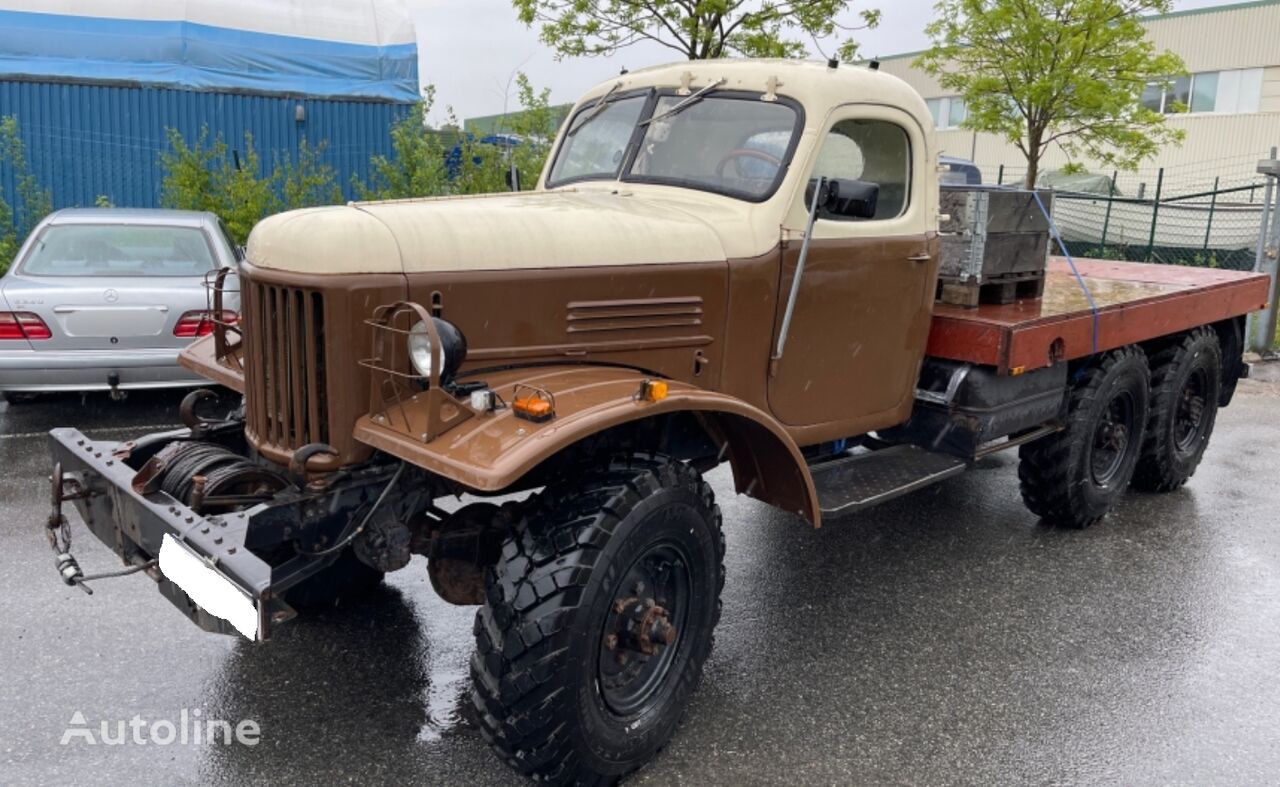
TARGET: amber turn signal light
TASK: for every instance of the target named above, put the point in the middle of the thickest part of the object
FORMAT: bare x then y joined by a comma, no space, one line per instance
537,405
653,391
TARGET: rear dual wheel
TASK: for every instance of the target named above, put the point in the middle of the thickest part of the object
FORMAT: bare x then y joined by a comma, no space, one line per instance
597,621
1128,421
1186,379
1071,478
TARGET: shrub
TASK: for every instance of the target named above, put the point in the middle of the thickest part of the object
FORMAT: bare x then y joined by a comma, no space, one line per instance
33,201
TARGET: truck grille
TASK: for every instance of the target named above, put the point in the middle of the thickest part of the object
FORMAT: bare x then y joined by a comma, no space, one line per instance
286,394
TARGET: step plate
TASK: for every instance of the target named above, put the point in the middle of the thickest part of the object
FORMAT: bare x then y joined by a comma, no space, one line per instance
864,480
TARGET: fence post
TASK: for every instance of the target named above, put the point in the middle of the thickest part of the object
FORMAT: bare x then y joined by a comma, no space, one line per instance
1155,213
1000,176
1208,225
1261,330
1106,220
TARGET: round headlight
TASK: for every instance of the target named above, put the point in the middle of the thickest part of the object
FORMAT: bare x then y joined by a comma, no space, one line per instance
448,356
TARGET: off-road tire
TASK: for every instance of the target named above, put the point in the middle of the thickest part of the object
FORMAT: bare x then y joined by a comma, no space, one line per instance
536,672
1058,474
1173,446
346,579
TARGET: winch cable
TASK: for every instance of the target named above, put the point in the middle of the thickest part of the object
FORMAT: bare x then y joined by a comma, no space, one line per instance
343,543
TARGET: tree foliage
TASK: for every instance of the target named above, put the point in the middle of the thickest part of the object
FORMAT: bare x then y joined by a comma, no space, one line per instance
1068,73
429,162
416,166
208,175
33,202
697,29
309,181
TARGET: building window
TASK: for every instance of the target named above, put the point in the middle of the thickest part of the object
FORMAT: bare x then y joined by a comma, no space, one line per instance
1210,91
1204,93
948,111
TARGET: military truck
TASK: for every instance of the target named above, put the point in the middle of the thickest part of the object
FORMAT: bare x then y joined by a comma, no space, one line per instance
723,261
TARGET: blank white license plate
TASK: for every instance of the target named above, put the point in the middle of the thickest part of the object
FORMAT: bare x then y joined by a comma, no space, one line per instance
215,594
120,321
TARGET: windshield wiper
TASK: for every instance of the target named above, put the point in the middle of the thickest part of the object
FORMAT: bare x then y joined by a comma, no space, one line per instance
688,102
596,109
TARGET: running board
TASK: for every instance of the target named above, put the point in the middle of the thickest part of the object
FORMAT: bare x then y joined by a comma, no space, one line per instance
853,483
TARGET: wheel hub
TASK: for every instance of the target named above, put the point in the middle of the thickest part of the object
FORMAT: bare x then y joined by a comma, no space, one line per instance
1190,413
1111,440
643,627
641,630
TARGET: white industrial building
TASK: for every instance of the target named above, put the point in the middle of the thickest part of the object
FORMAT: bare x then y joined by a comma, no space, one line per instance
1231,100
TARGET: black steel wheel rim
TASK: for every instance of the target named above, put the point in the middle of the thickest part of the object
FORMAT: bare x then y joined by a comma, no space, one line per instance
1189,411
654,594
1112,438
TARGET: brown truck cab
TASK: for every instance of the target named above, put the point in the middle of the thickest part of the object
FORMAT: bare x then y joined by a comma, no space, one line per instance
723,261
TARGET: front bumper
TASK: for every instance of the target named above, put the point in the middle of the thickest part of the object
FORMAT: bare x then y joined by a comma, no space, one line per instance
134,525
47,371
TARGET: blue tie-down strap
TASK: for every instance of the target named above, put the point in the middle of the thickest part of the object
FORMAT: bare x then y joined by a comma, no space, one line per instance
1057,236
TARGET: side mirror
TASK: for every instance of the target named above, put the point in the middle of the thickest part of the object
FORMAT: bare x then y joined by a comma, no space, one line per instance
853,199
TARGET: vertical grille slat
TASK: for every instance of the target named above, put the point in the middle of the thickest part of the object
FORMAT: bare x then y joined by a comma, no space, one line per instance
285,379
309,354
296,377
272,340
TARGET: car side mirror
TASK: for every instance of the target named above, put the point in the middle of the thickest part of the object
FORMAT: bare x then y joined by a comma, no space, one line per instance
853,199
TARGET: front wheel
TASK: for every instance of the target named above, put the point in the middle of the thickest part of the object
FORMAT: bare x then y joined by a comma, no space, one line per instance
598,619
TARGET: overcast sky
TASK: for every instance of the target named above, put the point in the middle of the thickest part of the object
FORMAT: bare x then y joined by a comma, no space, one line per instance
470,49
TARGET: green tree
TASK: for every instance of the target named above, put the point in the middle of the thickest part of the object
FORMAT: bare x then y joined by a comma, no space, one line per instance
484,167
1055,72
416,166
33,202
8,237
188,171
419,164
208,175
309,181
697,29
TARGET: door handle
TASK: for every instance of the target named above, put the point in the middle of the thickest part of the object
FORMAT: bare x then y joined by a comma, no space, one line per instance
920,257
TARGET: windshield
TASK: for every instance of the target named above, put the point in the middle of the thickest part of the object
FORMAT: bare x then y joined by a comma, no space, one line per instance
119,250
730,144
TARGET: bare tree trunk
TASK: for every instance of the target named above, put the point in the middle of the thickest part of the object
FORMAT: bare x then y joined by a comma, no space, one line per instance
1034,135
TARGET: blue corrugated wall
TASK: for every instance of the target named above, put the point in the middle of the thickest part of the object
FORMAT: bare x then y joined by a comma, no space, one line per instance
87,140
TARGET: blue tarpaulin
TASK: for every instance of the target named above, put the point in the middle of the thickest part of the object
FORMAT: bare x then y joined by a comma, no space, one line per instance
193,55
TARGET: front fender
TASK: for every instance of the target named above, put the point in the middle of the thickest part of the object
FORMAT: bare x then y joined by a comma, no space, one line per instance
492,451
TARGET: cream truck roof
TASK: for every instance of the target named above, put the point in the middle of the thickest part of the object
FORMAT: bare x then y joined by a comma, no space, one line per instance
591,223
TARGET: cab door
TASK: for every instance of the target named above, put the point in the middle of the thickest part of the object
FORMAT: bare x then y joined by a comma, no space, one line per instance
861,318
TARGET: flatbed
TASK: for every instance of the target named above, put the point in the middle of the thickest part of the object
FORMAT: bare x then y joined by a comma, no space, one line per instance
1135,302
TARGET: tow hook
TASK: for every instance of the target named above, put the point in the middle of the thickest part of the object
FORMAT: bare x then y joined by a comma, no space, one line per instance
113,380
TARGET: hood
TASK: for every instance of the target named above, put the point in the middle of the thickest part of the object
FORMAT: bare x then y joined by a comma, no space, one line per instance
554,229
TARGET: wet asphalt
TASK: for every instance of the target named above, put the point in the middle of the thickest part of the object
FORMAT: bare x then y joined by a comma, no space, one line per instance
945,638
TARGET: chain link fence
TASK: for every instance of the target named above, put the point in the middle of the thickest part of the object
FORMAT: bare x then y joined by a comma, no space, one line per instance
1171,217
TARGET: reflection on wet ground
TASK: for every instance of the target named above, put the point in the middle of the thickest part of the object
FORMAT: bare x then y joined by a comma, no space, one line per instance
943,638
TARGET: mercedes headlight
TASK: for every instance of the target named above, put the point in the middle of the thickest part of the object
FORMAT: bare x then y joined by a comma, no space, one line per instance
448,357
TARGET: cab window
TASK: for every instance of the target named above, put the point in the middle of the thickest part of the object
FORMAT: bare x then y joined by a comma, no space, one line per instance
872,151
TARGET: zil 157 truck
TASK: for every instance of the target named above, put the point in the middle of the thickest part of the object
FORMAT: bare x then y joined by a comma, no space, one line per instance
723,261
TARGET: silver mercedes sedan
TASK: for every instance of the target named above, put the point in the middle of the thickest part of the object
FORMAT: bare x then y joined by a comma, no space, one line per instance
103,299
